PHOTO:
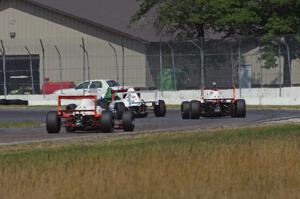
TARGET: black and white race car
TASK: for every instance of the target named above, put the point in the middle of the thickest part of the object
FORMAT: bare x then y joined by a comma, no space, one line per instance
213,104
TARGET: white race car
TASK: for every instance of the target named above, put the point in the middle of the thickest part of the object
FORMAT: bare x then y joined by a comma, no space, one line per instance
124,99
86,115
213,104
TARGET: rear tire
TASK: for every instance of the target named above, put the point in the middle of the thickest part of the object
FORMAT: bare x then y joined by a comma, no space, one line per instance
128,121
233,110
195,109
53,122
107,124
185,110
120,109
160,110
240,108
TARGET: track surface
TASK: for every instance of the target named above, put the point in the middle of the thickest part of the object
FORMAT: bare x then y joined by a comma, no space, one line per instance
172,122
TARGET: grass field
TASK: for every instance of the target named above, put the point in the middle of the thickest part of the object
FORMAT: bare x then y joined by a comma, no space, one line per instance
257,162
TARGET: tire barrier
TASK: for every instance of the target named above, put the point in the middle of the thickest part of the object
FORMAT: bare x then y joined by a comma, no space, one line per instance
13,102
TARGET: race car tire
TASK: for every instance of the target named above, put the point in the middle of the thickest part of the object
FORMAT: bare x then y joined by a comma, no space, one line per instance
240,108
185,110
128,121
120,109
103,104
106,120
71,106
160,110
53,122
195,109
233,110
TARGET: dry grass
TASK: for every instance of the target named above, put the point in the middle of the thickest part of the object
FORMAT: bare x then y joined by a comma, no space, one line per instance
251,163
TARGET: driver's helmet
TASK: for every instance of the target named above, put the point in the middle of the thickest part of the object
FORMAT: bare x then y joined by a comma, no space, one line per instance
214,84
130,90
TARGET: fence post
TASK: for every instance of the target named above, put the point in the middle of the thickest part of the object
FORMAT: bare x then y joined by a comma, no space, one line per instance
4,69
232,66
173,65
161,67
123,63
31,70
88,61
116,59
280,68
202,67
282,40
239,70
43,51
60,67
83,64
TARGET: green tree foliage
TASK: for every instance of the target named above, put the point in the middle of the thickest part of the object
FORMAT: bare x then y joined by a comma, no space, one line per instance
268,19
190,18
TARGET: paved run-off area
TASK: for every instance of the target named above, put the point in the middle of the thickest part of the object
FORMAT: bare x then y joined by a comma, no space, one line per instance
172,122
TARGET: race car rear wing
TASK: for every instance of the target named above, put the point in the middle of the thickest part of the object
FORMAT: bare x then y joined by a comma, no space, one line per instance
125,91
233,94
67,113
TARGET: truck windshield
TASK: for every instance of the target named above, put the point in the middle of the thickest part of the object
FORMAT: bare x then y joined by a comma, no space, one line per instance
112,83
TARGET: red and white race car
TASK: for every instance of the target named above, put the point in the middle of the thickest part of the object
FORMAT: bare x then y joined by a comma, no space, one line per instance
213,104
87,115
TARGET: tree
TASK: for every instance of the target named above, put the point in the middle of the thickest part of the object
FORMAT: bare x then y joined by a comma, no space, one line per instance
192,19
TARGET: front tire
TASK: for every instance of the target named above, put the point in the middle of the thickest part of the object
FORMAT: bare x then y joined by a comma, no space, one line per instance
185,110
160,110
107,124
53,122
128,121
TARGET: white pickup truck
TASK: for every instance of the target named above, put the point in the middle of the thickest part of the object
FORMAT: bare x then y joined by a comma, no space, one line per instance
98,87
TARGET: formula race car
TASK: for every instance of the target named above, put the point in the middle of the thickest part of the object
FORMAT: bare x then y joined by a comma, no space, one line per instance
88,115
213,105
129,99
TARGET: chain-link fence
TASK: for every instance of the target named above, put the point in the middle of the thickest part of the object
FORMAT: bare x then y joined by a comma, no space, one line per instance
242,63
27,66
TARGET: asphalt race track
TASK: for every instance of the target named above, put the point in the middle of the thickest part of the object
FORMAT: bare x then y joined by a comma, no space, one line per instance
172,122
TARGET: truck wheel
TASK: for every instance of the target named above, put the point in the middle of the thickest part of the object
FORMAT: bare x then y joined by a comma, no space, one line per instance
71,107
107,124
128,121
195,109
160,110
120,109
53,122
185,110
240,108
103,104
